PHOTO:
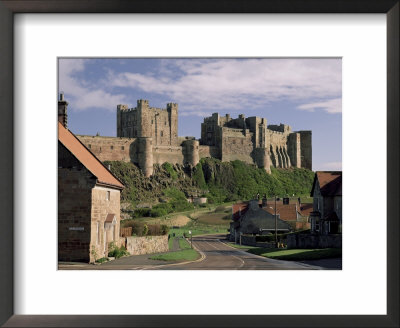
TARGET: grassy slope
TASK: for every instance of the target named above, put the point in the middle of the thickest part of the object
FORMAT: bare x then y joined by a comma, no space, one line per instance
219,181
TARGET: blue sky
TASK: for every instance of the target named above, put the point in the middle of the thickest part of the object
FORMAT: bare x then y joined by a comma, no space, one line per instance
304,93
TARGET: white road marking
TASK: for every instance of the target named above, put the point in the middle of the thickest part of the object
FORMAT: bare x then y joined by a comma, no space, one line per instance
241,260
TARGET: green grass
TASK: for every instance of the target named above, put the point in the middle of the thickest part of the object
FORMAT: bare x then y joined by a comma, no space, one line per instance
214,218
183,255
297,254
183,244
171,242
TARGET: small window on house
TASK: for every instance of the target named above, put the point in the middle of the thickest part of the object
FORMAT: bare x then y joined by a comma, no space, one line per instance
112,147
108,195
100,148
122,148
161,133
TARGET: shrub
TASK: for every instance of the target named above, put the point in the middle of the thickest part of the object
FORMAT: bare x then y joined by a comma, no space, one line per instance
117,252
161,209
170,170
145,230
164,229
102,260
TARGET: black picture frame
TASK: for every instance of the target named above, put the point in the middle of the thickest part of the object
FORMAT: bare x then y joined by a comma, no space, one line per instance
7,198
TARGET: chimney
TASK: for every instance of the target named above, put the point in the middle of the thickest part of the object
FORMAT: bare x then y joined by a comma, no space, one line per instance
62,110
264,201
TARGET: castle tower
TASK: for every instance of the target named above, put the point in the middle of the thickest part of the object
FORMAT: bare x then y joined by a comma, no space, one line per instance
62,111
144,119
294,149
121,110
145,155
172,109
262,159
191,152
306,149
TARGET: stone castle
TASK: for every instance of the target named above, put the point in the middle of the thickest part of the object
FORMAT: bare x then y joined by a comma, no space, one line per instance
148,135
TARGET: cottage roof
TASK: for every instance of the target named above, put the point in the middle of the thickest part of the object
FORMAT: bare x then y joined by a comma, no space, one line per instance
238,210
85,156
306,209
257,218
286,212
330,183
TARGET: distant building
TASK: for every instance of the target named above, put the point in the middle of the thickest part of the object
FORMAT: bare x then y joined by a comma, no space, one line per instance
251,219
326,217
293,213
88,201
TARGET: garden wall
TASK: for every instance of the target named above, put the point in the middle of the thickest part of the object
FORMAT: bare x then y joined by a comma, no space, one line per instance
314,241
147,244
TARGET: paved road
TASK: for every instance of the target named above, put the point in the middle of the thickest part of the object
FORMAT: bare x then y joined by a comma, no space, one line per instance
215,255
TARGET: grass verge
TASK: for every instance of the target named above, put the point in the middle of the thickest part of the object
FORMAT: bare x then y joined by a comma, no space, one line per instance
182,255
297,254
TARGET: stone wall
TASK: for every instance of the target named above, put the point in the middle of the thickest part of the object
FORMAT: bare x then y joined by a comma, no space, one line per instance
104,201
147,245
75,183
111,148
314,241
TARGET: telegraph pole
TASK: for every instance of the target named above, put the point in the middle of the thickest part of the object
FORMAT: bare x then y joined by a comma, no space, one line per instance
276,226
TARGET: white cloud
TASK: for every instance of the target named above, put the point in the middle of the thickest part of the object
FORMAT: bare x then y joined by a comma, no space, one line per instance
82,94
331,106
202,85
227,83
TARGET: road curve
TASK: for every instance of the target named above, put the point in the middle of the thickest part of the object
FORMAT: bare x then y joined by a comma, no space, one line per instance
217,255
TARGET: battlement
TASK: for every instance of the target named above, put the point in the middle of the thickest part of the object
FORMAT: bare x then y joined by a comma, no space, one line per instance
149,135
280,128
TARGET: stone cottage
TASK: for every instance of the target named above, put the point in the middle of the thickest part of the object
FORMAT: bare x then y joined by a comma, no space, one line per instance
88,200
251,219
326,217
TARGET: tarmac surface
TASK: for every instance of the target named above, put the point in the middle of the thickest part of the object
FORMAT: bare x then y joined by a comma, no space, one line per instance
214,255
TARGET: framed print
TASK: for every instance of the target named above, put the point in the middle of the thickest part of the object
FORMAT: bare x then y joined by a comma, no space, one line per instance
37,36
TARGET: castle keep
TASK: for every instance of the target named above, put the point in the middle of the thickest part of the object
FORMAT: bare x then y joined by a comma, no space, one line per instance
148,135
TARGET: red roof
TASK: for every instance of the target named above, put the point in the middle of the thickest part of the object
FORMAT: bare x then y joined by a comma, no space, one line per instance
90,161
330,183
306,209
238,210
286,212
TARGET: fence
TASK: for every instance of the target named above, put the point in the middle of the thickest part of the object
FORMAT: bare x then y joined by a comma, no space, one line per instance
126,232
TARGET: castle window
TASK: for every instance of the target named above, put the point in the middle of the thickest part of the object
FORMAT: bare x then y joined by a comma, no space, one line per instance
165,123
112,147
151,121
161,133
242,141
234,142
122,147
108,195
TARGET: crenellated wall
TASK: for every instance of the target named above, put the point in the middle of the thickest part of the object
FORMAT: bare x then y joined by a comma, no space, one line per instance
148,135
